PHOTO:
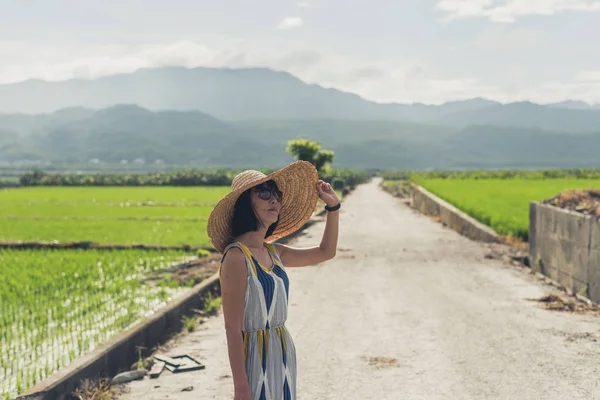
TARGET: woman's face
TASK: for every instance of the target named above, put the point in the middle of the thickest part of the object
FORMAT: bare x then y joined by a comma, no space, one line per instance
266,200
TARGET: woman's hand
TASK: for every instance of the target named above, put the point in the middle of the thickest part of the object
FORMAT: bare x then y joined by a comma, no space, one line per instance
327,194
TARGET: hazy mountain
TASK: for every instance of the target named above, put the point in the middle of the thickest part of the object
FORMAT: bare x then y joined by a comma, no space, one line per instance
575,105
527,115
24,124
261,93
499,146
230,94
129,132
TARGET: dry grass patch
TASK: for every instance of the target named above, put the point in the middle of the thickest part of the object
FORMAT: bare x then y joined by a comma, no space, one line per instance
97,390
586,202
564,303
515,242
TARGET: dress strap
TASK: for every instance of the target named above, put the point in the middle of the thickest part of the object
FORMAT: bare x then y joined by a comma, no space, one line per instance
273,250
249,264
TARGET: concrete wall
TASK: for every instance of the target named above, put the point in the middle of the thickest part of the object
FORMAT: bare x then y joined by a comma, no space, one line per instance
565,246
430,204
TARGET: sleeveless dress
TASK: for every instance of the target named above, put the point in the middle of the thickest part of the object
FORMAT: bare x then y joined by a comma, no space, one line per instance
269,348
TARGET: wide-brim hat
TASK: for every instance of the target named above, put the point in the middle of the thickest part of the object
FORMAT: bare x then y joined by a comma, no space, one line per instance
297,183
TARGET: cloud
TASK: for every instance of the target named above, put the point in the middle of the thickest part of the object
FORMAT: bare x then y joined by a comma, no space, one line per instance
303,58
303,4
25,61
552,92
463,8
423,86
509,10
290,23
589,77
501,37
406,82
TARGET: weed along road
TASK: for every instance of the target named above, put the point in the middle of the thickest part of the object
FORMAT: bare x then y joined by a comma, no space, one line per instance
408,310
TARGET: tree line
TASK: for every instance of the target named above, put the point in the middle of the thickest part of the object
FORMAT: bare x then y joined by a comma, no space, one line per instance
300,149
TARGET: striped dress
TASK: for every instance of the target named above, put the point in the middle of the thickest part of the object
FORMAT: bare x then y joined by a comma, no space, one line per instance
269,348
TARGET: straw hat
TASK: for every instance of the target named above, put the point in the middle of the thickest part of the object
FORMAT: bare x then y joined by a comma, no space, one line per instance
297,182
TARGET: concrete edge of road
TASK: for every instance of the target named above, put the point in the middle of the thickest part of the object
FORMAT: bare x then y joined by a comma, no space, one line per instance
120,352
428,203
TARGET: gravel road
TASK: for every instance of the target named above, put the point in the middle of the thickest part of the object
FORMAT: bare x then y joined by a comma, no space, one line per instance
409,310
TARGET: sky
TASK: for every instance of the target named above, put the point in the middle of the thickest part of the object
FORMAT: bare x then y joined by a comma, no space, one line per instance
426,51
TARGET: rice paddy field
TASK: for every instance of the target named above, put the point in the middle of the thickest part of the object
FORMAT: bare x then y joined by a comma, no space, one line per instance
119,215
60,304
56,305
502,204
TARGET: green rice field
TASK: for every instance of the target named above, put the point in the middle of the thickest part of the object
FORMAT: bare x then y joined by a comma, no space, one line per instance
118,215
57,305
502,204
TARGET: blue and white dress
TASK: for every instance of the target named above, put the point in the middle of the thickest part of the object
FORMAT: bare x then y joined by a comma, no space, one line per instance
269,348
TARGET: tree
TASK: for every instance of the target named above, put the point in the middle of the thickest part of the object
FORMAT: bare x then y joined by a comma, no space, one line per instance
307,150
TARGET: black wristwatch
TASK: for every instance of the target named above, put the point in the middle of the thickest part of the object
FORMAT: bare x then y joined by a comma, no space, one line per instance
334,208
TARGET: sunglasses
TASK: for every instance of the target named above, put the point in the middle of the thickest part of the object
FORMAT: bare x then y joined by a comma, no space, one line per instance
265,193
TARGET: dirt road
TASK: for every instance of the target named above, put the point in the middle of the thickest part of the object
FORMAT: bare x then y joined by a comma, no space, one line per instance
410,310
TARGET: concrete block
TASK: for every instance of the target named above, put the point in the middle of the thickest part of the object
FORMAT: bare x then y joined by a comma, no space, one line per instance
574,227
551,272
572,258
580,263
570,282
595,233
564,279
425,202
546,221
594,275
580,287
546,250
568,247
533,206
546,253
422,202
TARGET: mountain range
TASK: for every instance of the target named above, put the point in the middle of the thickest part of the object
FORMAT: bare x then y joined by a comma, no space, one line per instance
244,117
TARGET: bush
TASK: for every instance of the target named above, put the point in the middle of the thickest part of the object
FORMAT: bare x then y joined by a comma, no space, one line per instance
202,253
573,173
350,177
220,177
338,184
178,178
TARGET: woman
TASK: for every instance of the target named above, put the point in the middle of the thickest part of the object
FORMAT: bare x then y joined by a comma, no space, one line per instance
254,283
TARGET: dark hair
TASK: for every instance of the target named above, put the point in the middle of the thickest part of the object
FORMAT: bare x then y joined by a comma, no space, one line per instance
244,217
